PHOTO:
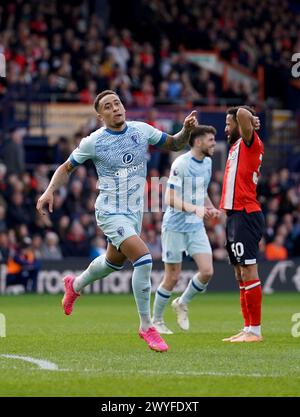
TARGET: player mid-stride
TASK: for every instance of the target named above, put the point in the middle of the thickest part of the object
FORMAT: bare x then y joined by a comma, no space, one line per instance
119,153
245,221
183,228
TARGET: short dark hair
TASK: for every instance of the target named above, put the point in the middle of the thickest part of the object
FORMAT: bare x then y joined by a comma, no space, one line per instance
101,95
201,131
233,110
26,242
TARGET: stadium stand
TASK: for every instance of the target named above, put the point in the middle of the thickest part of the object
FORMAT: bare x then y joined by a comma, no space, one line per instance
66,52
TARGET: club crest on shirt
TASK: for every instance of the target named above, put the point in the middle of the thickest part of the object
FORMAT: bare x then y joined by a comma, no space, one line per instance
233,155
121,231
136,139
175,171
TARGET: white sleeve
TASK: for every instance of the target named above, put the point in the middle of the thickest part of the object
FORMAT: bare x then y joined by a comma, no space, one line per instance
155,136
176,175
84,151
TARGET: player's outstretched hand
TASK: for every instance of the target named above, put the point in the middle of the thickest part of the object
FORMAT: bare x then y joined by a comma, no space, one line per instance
46,200
255,122
190,122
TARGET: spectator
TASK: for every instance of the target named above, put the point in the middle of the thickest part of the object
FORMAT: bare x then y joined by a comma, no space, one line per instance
37,243
3,225
76,243
271,220
154,244
4,248
98,247
275,251
51,249
13,152
17,211
23,267
3,185
55,63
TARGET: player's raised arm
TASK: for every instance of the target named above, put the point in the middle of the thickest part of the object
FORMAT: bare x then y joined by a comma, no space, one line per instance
179,140
60,177
247,123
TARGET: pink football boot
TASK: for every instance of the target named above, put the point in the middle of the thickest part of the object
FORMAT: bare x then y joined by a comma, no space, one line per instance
154,339
70,295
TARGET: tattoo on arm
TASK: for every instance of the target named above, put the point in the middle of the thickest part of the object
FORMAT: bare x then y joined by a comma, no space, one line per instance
61,175
176,142
69,167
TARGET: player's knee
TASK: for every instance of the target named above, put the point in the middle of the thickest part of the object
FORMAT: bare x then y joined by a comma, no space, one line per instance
249,272
206,274
170,281
173,271
238,274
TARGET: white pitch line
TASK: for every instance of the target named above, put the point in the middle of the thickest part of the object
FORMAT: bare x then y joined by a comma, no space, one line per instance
43,364
214,373
181,373
50,366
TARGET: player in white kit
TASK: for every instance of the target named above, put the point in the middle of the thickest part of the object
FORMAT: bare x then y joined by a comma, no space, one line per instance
183,229
118,151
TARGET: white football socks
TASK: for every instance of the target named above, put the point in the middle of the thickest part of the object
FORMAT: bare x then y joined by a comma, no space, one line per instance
194,287
162,297
99,268
141,286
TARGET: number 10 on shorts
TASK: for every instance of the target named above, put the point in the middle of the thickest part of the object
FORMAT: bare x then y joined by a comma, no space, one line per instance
237,249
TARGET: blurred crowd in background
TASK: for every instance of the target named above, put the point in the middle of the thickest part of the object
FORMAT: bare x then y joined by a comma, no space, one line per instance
71,229
67,51
72,50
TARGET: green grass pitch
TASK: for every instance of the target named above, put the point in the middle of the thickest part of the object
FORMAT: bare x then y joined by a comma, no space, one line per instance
98,353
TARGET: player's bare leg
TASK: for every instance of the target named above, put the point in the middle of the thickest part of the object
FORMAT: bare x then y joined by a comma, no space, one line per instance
163,294
138,253
197,285
99,268
114,256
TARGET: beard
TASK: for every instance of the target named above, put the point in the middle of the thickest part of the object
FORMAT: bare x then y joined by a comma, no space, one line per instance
233,137
207,152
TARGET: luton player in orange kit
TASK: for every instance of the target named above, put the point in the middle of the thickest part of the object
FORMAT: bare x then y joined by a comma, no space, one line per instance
245,221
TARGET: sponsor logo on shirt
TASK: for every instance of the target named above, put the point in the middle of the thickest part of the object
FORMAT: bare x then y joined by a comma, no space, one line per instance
127,158
125,171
